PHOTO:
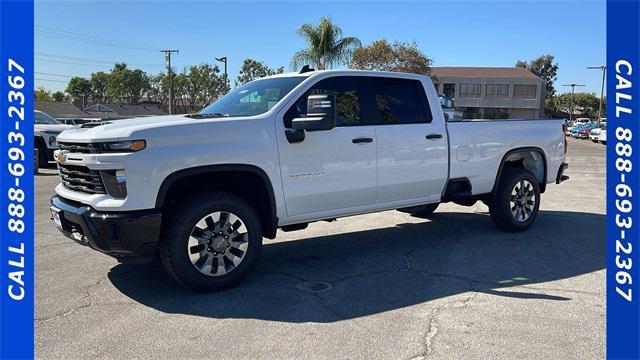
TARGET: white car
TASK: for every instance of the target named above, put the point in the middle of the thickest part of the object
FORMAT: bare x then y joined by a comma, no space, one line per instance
203,190
602,138
594,134
45,130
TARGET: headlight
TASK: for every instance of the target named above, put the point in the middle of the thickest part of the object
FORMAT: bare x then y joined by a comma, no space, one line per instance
128,146
115,182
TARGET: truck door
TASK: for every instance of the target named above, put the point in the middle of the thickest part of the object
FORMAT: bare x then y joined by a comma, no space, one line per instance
334,169
412,146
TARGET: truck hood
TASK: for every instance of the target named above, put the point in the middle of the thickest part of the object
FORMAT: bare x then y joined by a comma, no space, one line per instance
114,130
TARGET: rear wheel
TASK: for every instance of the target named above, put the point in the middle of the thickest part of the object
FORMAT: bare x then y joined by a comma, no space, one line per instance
515,205
211,241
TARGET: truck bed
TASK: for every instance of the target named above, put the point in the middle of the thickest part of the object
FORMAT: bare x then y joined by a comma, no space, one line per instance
477,147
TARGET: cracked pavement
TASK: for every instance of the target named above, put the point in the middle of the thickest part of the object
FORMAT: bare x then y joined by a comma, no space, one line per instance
449,287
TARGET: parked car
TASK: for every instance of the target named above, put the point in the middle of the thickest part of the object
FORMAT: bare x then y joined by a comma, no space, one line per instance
576,124
280,152
45,130
582,131
594,134
602,138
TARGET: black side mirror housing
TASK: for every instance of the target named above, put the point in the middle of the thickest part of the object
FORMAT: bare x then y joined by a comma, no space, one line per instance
321,114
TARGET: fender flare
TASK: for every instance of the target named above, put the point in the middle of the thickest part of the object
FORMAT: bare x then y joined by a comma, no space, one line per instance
517,150
175,176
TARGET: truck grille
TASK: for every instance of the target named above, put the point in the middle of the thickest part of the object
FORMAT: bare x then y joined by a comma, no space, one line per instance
81,178
84,148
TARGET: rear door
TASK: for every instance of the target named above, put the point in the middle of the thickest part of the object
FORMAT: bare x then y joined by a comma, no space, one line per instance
330,171
412,147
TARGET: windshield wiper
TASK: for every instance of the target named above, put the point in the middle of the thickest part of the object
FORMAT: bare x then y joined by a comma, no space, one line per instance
206,116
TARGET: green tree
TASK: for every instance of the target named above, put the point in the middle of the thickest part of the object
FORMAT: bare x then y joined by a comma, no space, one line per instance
158,88
59,96
126,85
42,94
398,56
79,88
544,68
99,84
253,69
325,45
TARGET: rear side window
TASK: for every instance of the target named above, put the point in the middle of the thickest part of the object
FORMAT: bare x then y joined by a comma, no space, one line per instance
400,101
347,101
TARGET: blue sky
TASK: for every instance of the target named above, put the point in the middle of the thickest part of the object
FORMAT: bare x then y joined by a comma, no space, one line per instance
453,33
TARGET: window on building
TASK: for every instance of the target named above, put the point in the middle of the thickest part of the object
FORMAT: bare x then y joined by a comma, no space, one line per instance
347,101
524,91
400,101
449,90
470,90
501,90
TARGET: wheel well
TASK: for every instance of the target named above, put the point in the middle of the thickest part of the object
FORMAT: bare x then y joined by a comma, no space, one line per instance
249,183
531,159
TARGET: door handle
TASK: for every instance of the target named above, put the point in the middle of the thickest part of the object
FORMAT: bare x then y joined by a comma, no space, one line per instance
362,140
434,136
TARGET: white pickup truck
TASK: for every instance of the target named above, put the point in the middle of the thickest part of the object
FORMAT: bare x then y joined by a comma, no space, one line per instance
202,190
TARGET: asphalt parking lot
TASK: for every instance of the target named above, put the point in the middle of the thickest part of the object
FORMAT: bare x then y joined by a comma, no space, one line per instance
453,287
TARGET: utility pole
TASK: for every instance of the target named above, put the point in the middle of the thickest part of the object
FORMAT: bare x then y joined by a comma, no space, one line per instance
167,56
604,72
573,86
224,60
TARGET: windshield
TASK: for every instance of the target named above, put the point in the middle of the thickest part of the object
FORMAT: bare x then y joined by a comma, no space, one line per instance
254,98
42,118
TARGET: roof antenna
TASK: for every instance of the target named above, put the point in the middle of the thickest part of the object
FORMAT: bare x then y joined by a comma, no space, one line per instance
306,69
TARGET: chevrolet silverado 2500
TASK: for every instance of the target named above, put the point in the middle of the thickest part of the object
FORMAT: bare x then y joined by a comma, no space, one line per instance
202,190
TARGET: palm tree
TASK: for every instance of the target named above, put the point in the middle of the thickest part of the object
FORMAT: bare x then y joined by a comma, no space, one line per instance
326,46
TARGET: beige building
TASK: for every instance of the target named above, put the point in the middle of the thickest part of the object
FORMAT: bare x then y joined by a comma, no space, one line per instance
492,92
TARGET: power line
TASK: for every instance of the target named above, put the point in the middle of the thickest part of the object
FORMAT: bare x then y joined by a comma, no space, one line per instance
75,58
50,74
69,35
51,80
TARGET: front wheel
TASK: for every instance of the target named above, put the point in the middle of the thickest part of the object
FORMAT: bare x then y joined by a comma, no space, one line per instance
515,205
211,241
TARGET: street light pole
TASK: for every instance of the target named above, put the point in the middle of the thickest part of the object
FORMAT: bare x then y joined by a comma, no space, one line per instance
604,72
224,60
573,87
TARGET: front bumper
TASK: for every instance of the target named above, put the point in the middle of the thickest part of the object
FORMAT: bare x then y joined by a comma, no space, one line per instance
130,237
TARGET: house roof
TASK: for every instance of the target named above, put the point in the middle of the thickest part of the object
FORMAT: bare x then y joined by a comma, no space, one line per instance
60,109
126,109
481,72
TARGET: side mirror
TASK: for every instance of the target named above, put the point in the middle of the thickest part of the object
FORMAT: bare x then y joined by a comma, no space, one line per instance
321,114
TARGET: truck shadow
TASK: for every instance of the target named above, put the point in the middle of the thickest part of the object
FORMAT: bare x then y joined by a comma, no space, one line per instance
385,269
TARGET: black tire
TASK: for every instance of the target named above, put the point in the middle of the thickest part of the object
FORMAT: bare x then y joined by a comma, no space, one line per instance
43,161
178,227
421,211
500,208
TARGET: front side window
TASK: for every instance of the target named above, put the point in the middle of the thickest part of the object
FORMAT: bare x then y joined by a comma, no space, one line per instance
347,101
253,98
400,101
